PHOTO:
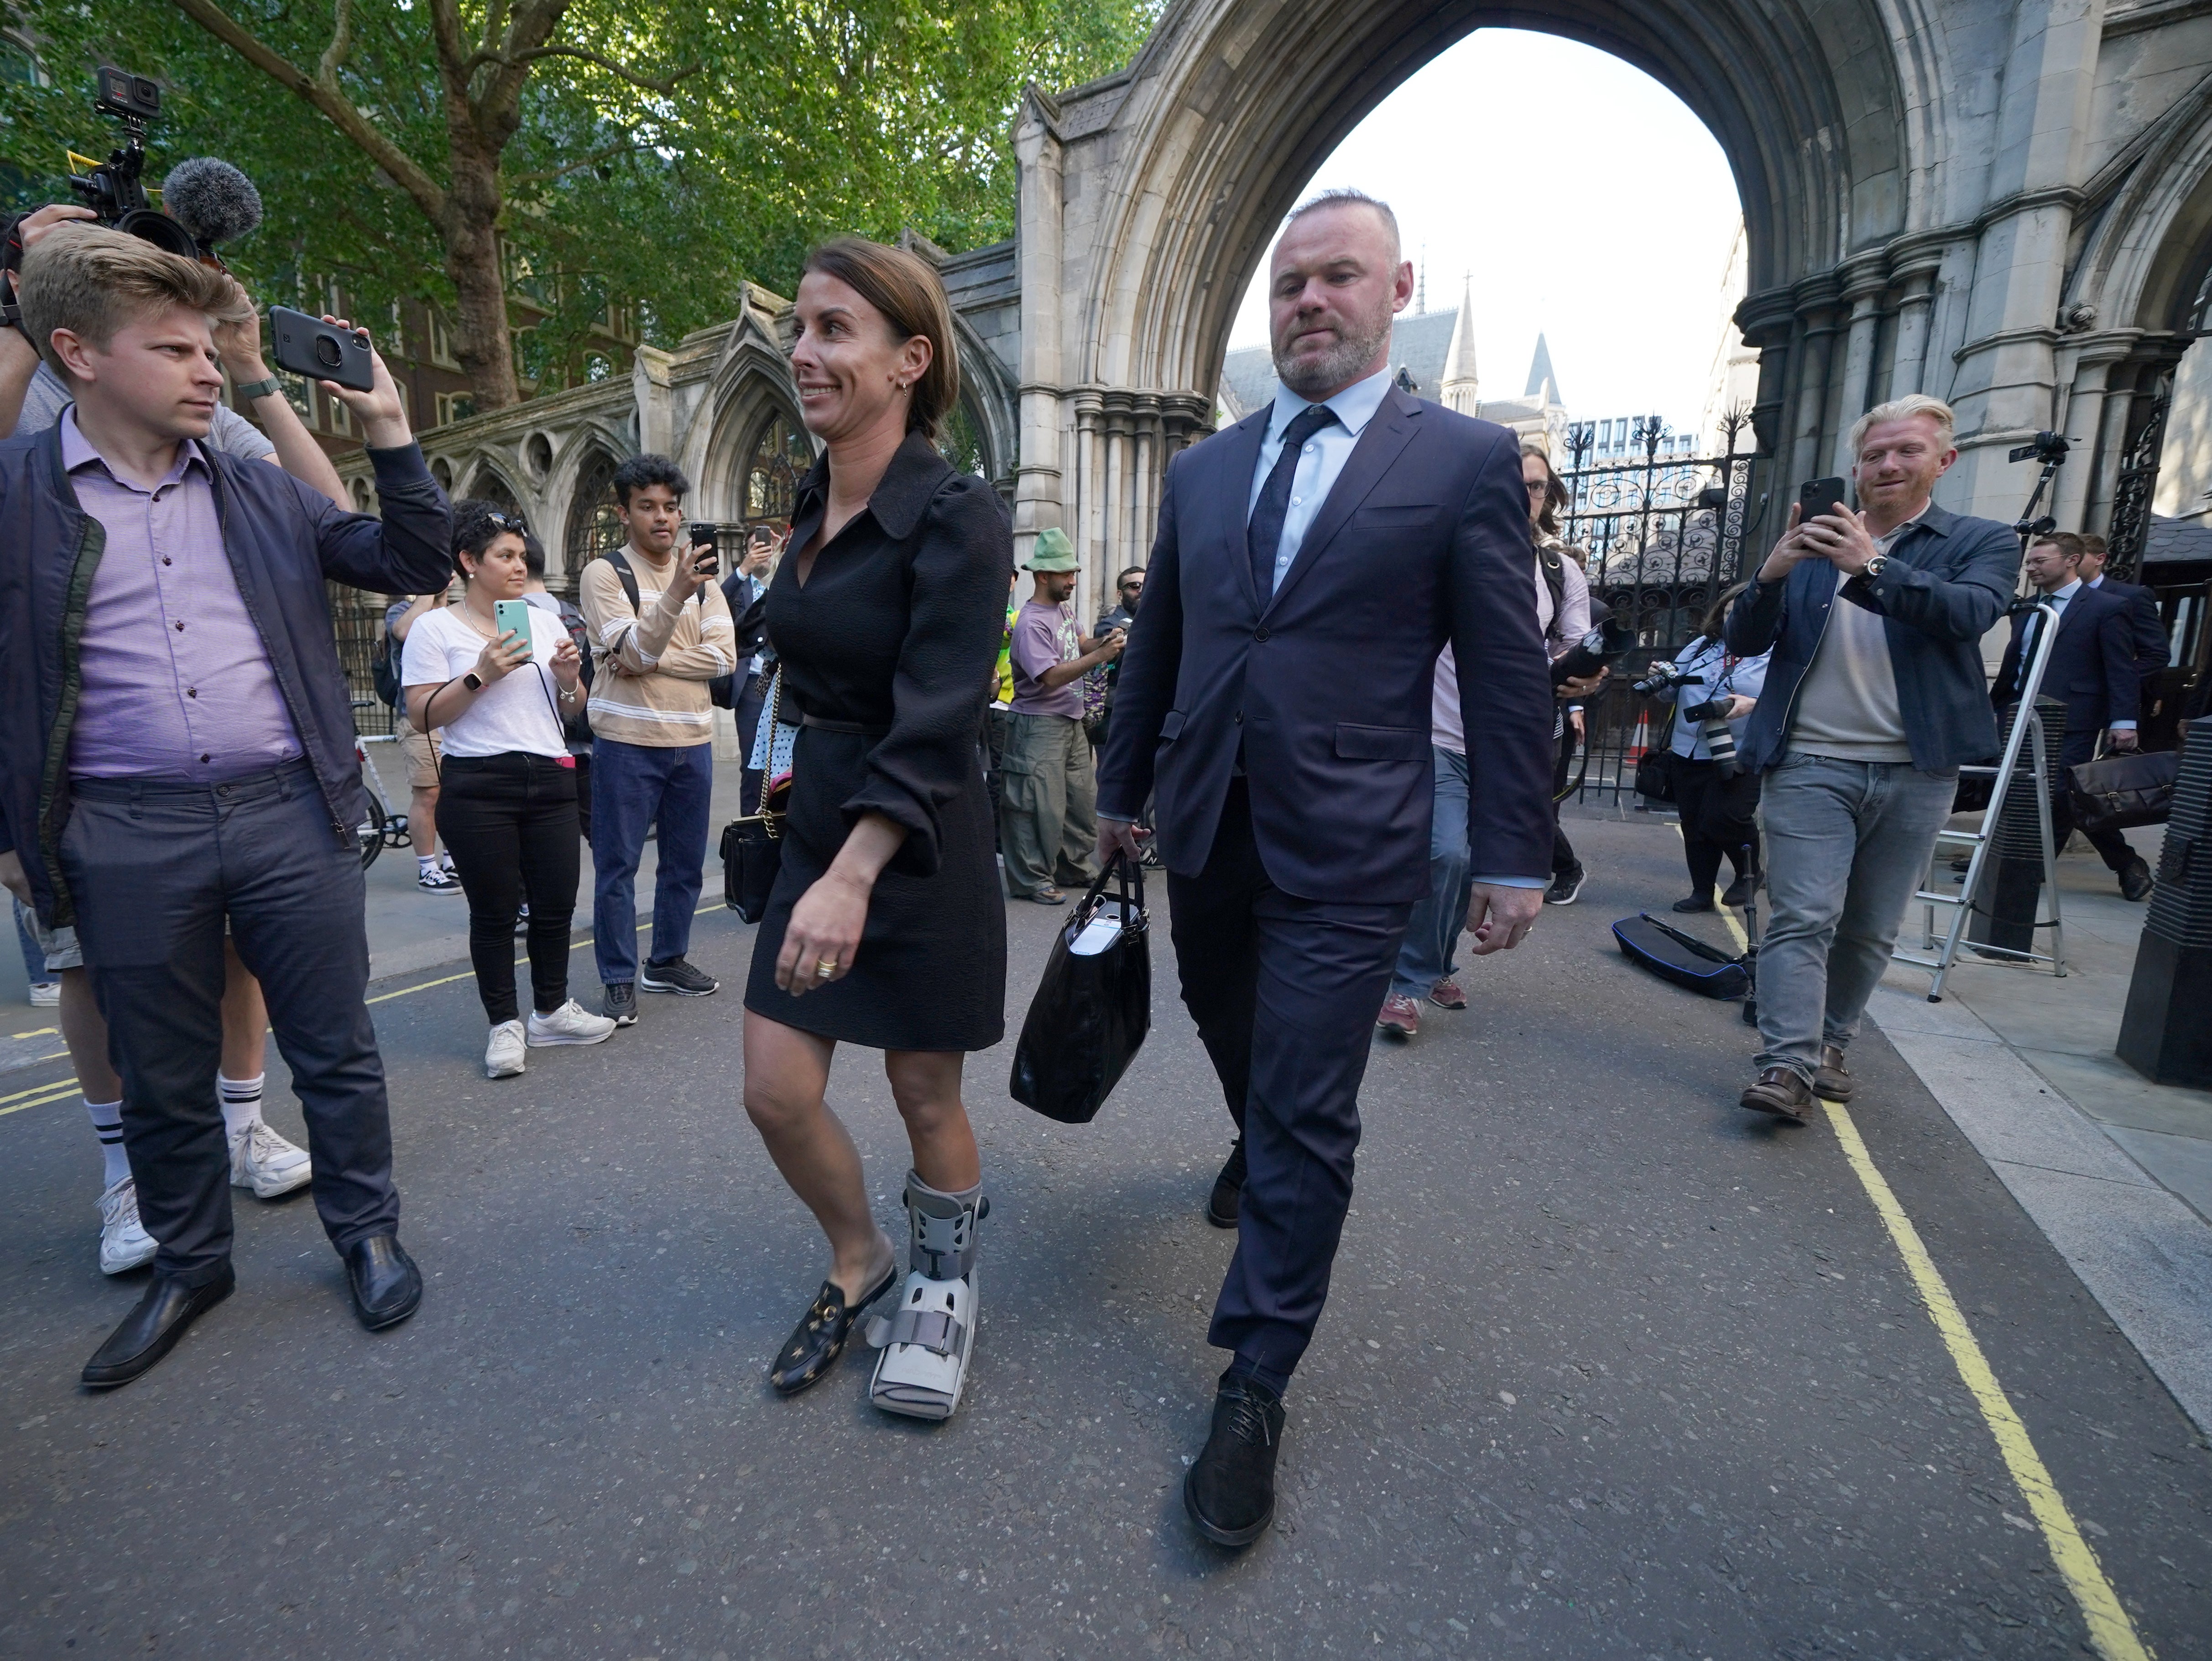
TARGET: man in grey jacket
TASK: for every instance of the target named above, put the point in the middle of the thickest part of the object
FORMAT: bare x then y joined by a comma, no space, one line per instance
1874,697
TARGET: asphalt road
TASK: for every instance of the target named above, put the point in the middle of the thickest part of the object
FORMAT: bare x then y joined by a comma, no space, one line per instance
1611,1369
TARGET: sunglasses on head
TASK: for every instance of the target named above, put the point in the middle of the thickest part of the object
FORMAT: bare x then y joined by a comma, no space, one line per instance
513,522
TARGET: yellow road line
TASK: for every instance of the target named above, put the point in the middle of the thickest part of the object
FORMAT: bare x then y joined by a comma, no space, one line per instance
36,1032
62,1093
2110,1630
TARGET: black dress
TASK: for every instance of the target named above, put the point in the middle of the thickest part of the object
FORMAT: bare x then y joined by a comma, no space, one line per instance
888,653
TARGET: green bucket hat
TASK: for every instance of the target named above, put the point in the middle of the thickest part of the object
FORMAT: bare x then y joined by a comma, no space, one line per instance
1053,552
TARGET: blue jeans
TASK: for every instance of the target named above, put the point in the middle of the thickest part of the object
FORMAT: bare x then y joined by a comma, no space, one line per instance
1426,956
634,786
1847,844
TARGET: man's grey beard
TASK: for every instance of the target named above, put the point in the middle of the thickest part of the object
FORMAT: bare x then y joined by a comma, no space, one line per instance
1314,377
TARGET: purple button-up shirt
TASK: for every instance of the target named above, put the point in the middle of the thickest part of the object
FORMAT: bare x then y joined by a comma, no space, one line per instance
177,682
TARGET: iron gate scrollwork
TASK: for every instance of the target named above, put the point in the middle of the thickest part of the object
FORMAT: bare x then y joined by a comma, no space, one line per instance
1662,533
2136,483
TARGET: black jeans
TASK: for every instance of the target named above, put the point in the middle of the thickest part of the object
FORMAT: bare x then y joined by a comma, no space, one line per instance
1719,817
511,823
156,869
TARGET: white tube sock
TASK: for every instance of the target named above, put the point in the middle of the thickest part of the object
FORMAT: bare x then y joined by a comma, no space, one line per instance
241,1102
107,1125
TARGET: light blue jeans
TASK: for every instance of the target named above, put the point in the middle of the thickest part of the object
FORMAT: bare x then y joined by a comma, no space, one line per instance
1425,958
1847,844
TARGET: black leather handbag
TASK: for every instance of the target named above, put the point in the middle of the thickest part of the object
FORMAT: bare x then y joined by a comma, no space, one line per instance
1655,768
752,847
1093,1005
2121,791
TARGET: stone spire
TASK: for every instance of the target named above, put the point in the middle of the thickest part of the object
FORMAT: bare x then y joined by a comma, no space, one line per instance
1540,381
1460,391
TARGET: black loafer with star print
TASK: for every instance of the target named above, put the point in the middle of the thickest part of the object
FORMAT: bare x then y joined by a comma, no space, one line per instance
819,1338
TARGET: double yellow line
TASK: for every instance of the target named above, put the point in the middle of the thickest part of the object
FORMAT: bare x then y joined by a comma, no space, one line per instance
2110,1631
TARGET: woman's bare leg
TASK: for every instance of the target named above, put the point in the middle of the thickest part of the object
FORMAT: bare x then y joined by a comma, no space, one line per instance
786,1071
925,1085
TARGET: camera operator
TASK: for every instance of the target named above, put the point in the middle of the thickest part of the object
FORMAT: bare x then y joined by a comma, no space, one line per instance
1876,696
1718,799
32,396
201,771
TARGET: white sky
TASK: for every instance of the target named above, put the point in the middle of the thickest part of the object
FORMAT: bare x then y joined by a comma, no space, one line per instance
1585,198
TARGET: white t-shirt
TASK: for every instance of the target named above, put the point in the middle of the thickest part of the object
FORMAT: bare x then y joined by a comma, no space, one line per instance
512,713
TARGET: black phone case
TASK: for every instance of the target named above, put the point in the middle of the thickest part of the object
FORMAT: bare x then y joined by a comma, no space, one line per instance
293,336
1818,497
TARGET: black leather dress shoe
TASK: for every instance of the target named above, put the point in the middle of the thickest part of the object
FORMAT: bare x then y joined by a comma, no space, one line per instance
387,1286
2136,882
1229,1491
819,1338
151,1330
1781,1091
1228,1189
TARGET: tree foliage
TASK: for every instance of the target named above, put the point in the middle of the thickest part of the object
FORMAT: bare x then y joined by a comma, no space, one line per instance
657,154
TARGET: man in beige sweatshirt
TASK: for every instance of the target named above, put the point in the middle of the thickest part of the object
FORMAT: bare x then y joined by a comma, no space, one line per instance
660,631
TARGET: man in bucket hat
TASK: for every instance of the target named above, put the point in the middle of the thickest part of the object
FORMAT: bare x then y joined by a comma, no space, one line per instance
1047,827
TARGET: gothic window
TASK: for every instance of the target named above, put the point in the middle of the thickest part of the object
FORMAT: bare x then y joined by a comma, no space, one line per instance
781,455
961,440
593,529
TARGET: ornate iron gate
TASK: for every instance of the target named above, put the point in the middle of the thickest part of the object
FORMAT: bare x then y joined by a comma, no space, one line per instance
1662,533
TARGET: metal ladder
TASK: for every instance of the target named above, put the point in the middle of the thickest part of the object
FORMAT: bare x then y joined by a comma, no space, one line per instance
2026,733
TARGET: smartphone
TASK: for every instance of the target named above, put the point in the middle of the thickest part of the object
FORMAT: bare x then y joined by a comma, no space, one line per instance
321,351
512,614
1817,496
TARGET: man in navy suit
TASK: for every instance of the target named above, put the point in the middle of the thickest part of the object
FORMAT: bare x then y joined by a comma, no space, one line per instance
1274,697
2153,652
2093,670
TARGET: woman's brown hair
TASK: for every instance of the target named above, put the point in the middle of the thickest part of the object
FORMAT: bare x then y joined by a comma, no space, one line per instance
1715,616
1555,494
907,290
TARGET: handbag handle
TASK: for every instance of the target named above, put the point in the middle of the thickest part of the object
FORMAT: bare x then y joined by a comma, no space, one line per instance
769,818
1128,872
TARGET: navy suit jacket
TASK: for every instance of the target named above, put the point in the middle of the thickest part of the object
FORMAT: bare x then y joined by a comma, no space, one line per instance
2152,650
2091,668
1325,685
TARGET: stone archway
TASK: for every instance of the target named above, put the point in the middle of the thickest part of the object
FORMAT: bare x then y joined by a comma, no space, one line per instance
1913,183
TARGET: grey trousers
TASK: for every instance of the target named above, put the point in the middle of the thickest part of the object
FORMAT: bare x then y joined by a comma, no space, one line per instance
156,870
1048,804
1847,844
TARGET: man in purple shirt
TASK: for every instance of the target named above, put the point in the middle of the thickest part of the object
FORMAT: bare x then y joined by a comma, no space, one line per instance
1047,797
186,762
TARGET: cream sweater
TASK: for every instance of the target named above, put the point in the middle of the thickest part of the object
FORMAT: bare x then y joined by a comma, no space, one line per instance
651,665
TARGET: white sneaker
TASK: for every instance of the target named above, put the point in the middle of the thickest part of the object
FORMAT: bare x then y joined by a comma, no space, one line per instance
570,1024
46,994
504,1055
264,1161
124,1241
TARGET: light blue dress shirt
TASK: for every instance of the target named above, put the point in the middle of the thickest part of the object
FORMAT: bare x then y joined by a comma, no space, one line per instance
1319,464
1321,461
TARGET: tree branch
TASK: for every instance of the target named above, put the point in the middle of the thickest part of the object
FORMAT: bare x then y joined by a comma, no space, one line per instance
663,86
325,96
627,147
334,55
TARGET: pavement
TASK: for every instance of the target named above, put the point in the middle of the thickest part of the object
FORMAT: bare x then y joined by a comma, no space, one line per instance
1610,1368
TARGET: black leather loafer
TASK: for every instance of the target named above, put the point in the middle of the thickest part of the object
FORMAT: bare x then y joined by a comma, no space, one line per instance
819,1338
1229,1491
1780,1091
151,1330
386,1284
1228,1189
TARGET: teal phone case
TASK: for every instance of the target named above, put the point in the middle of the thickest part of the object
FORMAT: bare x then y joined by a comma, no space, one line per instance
512,616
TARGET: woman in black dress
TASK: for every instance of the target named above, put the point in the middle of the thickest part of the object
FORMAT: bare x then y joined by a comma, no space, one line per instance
886,927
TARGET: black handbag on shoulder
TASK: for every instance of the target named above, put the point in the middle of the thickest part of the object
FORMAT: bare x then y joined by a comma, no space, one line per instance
752,847
1094,1004
2123,791
1655,768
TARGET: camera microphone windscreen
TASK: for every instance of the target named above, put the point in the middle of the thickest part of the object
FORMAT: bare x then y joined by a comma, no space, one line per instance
212,200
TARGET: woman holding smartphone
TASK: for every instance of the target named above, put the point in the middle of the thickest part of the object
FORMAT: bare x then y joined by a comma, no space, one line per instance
499,688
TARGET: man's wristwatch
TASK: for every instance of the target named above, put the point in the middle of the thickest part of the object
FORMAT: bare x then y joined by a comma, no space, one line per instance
1875,566
250,390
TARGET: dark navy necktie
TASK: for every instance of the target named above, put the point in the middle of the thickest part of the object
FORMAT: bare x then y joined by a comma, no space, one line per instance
1264,535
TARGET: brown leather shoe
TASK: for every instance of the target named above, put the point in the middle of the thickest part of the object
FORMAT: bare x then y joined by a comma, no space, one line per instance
1780,1091
1830,1078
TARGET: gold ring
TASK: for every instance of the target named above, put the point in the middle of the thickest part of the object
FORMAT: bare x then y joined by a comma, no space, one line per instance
825,969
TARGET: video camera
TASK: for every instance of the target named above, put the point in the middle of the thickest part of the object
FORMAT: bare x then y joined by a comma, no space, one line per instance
115,190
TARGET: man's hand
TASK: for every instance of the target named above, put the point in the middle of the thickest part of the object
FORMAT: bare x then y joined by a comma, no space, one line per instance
1119,837
1499,917
2121,740
382,412
12,877
238,344
696,563
1790,551
1581,686
1841,540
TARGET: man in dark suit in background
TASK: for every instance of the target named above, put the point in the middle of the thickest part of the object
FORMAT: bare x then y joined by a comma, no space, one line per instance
2092,671
1311,563
2152,650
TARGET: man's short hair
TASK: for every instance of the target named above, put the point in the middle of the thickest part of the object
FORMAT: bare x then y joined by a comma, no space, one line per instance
93,282
2095,544
640,471
1342,197
1130,571
1904,409
2065,541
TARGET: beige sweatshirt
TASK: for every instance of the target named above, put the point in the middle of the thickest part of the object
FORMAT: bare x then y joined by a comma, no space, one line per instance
651,666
